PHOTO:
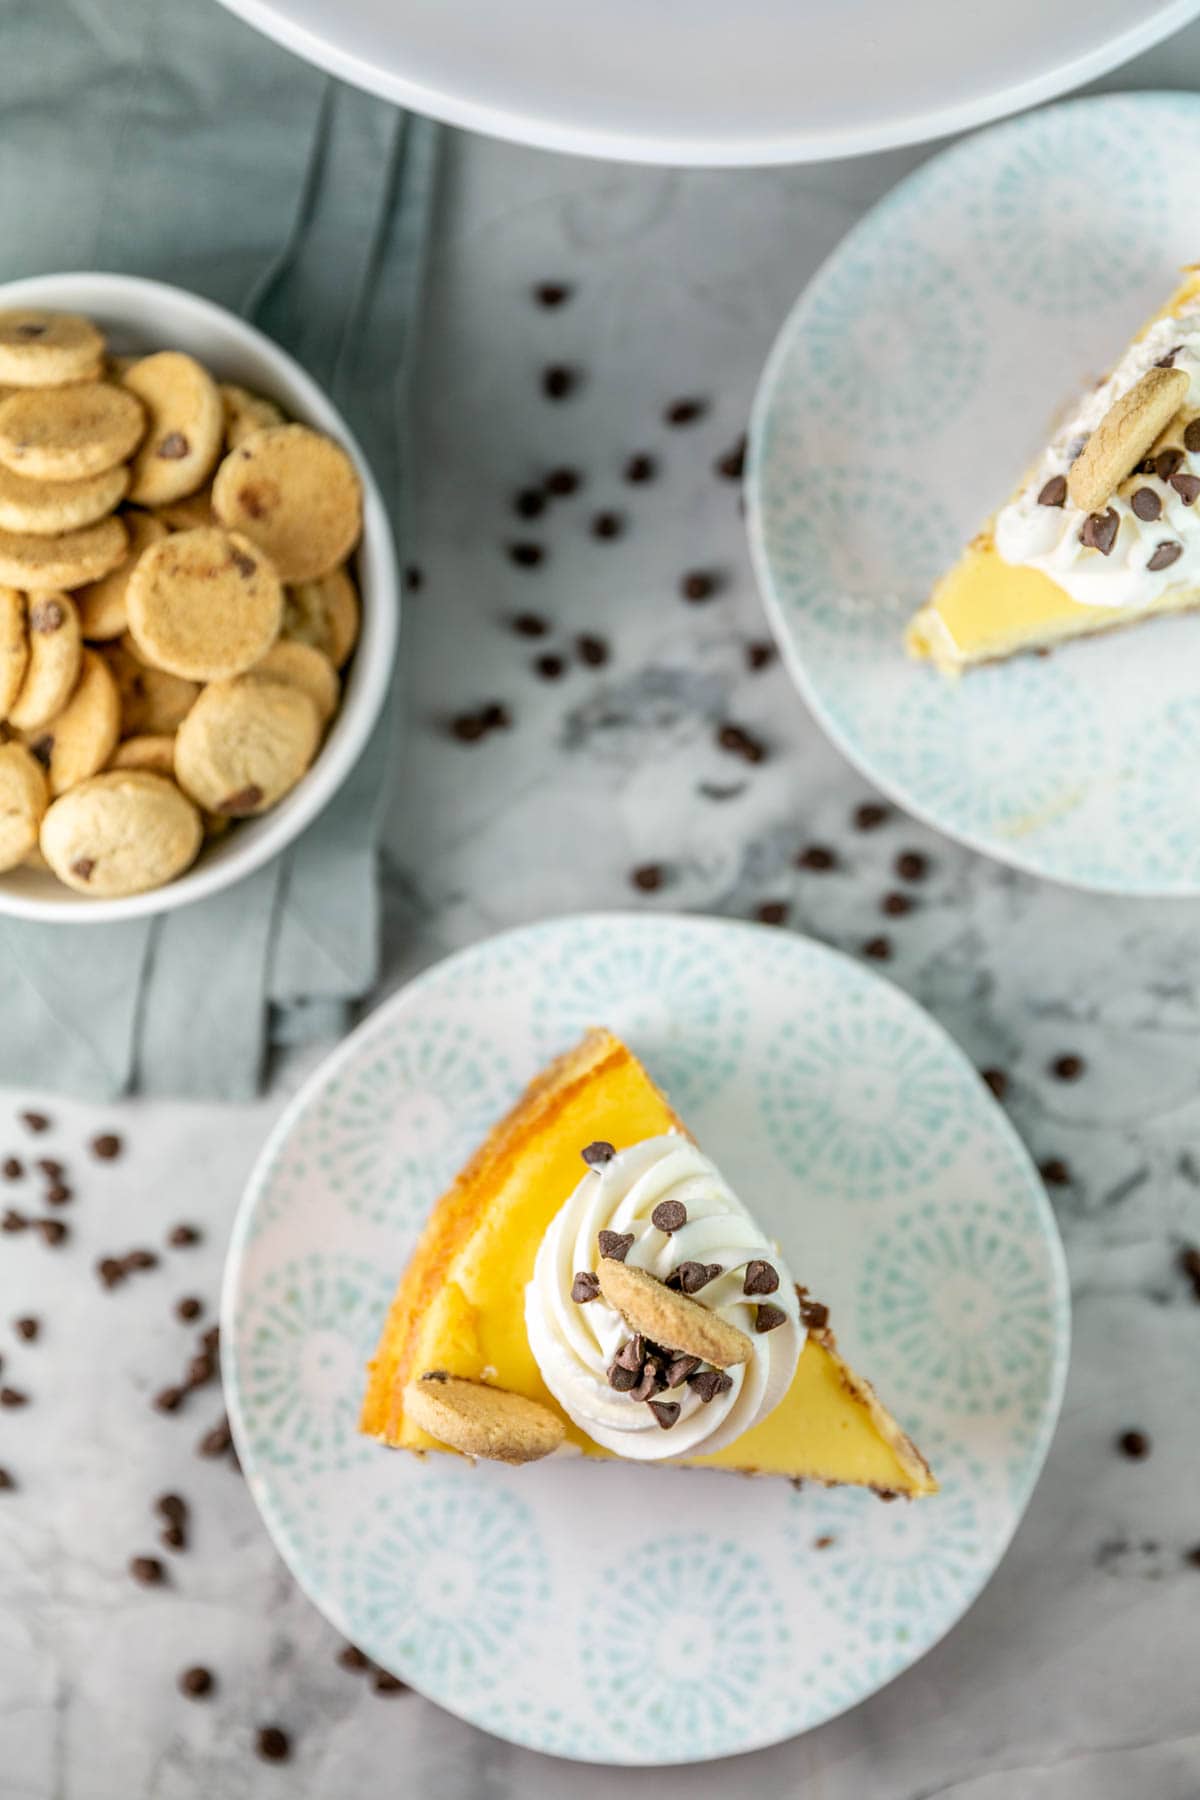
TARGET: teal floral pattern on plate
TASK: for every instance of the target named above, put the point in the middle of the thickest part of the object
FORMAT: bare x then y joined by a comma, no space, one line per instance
1071,767
897,1188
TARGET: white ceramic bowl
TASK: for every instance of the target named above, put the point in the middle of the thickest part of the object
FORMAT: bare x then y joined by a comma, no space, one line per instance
140,315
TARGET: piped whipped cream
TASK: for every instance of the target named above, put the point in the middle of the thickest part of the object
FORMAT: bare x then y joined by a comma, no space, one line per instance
1048,537
575,1344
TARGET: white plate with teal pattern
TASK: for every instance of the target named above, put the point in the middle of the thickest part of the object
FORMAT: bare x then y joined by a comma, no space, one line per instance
916,378
522,1599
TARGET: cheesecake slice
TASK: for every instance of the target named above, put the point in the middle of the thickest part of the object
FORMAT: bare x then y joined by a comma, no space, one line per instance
1104,530
590,1280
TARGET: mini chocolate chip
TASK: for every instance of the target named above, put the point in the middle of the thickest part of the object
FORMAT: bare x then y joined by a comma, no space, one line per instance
608,525
216,1441
550,667
562,483
1167,360
27,1328
529,625
1191,436
525,554
1146,504
709,1383
173,1537
772,912
1166,463
196,1682
13,1220
169,1399
245,565
1134,1444
591,650
896,905
383,1682
731,466
141,1259
997,1080
698,584
13,1168
685,412
814,1314
649,877
1054,491
679,1368
111,1271
692,1276
912,865
53,1231
530,503
47,615
84,867
237,805
7,1484
1186,486
188,1308
760,1278
13,1397
621,1380
585,1287
1192,1556
651,1381
468,728
669,1215
1165,553
760,655
869,816
200,1370
211,1339
640,468
666,1412
1067,1068
147,1570
769,1318
413,578
1054,1172
632,1353
495,716
739,742
273,1744
352,1658
597,1154
36,1122
817,858
181,1237
552,293
174,447
58,1194
173,1507
559,381
51,1167
1099,531
879,949
615,1245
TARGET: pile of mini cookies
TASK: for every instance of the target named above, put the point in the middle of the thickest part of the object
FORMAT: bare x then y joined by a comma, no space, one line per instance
175,604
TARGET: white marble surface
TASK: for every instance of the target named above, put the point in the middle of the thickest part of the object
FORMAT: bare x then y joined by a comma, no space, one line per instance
1074,1677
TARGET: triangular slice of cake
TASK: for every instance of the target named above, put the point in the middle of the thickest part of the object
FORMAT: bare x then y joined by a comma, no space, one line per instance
590,1280
1104,530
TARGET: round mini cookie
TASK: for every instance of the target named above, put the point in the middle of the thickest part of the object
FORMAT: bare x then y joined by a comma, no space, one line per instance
55,656
204,604
43,349
78,741
187,427
48,508
120,833
69,433
246,413
102,603
154,753
14,645
188,514
68,560
302,666
296,495
152,702
244,744
23,799
325,614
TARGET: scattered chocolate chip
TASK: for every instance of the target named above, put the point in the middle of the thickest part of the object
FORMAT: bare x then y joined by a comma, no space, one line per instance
666,1412
529,625
731,466
817,858
912,865
211,1339
760,1278
182,1237
622,1380
597,1154
698,584
58,1194
760,655
525,554
632,1353
739,742
1099,531
174,447
692,1276
608,525
13,1397
140,1259
813,1313
1167,552
147,1570
562,483
1054,1172
7,1484
708,1383
236,806
195,1683
769,1318
615,1245
1192,1556
53,1231
35,1122
1134,1444
1189,1265
591,650
1146,504
1054,491
111,1271
640,468
173,1537
585,1287
217,1441
559,381
13,1169
685,412
27,1328
824,1542
1067,1068
550,667
669,1215
879,949
495,716
46,616
869,816
188,1308
468,728
414,578
896,905
13,1220
273,1744
384,1682
1191,436
51,1168
772,912
173,1507
552,293
1167,462
200,1370
997,1080
352,1658
529,503
679,1368
648,877
169,1399
651,1381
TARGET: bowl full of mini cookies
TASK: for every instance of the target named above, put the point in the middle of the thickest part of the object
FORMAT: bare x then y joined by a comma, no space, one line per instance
199,600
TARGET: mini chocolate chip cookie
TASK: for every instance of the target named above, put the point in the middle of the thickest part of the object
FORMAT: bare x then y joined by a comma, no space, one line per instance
43,349
153,753
325,614
296,495
48,508
23,800
78,741
245,744
205,604
67,560
102,603
186,431
55,657
246,413
152,702
120,833
301,666
69,433
14,645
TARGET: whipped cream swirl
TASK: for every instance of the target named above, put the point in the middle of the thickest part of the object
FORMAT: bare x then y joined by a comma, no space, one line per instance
1047,537
574,1344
